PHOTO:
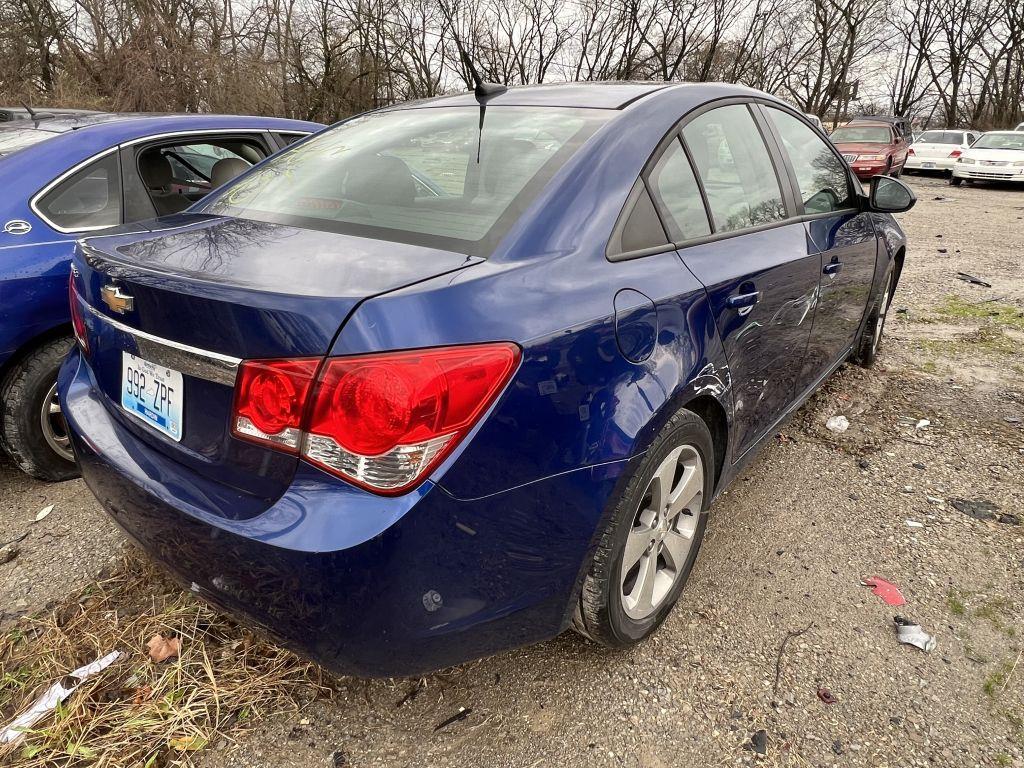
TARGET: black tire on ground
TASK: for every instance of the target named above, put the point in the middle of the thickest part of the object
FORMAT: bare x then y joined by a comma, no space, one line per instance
23,392
896,173
955,181
874,328
600,614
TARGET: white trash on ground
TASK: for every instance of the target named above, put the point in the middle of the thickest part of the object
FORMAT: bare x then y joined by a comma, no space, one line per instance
54,695
838,424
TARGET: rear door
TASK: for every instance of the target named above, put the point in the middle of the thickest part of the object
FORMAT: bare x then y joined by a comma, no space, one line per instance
838,233
760,279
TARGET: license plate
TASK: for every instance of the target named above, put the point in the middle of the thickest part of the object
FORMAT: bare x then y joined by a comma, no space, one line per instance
927,165
152,393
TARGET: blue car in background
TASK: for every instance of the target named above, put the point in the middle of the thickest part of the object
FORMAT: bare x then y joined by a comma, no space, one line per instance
64,176
456,375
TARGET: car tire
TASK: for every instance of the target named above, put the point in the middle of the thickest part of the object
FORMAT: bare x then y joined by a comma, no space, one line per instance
896,172
33,431
644,555
953,180
871,337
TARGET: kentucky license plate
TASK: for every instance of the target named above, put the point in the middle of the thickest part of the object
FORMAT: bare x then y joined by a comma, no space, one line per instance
152,393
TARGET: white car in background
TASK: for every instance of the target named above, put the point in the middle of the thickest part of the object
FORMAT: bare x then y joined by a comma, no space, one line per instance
1019,127
996,156
939,150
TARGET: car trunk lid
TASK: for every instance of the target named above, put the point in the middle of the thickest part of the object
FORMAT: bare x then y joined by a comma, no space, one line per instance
935,151
213,292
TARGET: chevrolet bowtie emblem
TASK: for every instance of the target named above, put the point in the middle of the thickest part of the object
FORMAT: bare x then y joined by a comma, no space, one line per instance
117,301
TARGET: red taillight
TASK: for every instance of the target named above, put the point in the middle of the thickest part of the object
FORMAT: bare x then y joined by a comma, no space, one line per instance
270,396
955,153
77,321
910,151
381,421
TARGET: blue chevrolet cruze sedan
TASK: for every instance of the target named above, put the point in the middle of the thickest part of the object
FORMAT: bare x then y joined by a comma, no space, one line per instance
402,424
64,175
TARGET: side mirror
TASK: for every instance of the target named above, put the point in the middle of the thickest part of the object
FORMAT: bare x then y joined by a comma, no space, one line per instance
889,195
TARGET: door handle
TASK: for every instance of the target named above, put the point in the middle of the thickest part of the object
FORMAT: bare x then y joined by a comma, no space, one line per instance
832,268
741,300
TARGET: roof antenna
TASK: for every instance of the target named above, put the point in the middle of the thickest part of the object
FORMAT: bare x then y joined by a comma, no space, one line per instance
31,112
481,90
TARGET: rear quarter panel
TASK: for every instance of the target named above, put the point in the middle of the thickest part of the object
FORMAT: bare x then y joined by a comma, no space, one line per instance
575,401
34,266
33,294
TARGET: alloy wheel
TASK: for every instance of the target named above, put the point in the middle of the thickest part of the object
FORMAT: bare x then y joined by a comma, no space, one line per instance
883,310
658,544
55,429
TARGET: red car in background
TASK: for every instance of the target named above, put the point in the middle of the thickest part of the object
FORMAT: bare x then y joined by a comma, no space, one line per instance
872,147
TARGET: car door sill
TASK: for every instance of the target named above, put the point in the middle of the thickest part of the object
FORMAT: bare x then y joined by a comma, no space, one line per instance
796,405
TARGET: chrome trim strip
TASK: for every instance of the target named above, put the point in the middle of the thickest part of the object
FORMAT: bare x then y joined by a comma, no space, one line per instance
197,132
192,361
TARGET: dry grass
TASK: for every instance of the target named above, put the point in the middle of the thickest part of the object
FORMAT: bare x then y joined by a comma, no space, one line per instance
137,713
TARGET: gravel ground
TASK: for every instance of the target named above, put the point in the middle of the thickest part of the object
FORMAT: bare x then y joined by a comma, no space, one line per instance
786,550
57,554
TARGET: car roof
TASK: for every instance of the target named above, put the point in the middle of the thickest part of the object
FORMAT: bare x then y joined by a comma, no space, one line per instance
868,123
141,122
593,95
22,113
878,119
75,139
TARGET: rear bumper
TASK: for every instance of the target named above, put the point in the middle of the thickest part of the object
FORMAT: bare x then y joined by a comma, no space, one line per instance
362,584
988,173
915,163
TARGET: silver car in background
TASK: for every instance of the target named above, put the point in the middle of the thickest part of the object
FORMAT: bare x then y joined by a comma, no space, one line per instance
939,150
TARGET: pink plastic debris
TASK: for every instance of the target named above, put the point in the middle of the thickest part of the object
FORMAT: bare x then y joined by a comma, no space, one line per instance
885,590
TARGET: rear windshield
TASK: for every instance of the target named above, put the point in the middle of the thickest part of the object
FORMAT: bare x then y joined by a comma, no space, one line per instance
866,134
1013,140
426,176
15,139
941,137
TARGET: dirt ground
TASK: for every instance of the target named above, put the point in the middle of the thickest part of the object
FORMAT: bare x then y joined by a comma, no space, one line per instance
940,419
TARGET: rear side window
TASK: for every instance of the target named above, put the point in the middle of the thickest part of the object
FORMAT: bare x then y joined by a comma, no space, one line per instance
290,138
87,199
820,174
675,188
188,169
425,176
642,228
735,168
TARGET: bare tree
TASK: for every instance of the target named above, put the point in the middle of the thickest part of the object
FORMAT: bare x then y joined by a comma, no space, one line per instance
958,60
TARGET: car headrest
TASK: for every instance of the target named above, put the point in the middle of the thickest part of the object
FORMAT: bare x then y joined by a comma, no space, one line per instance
225,170
500,158
380,179
155,170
